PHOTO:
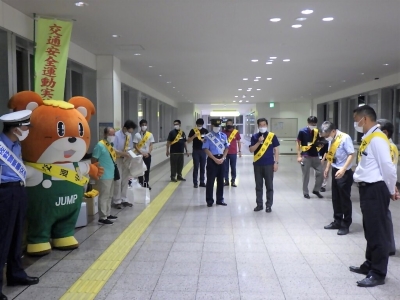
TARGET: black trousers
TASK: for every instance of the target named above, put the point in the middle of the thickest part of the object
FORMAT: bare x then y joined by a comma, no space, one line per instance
13,204
176,161
145,179
374,202
261,174
341,201
214,171
199,162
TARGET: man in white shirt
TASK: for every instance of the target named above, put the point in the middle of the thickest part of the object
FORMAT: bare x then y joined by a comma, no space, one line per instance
122,144
143,142
387,128
376,178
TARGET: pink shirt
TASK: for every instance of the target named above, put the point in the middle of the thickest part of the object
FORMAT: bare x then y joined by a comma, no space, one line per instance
233,148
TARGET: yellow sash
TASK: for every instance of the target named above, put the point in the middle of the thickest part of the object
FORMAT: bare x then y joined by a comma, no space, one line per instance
232,135
127,139
110,150
394,153
365,142
334,146
54,170
144,140
198,134
177,138
306,148
267,142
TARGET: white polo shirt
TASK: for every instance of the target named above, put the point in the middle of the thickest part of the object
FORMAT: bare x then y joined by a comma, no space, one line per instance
139,136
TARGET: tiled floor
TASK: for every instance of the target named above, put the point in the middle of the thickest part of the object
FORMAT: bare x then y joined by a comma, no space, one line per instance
194,252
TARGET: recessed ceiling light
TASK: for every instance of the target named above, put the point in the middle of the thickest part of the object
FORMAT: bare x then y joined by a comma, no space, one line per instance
245,79
330,86
160,75
343,80
168,81
137,54
297,26
327,19
173,87
247,100
240,101
301,19
273,57
252,96
362,73
256,79
234,100
307,11
81,4
269,78
254,60
268,63
244,96
115,35
150,66
286,60
236,96
275,19
258,89
385,64
239,89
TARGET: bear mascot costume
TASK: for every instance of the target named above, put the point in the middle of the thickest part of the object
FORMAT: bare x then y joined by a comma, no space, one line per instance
59,138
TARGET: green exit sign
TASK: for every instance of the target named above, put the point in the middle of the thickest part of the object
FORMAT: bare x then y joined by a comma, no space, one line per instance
271,104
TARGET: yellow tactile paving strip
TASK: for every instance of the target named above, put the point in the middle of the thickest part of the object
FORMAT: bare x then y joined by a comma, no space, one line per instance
92,281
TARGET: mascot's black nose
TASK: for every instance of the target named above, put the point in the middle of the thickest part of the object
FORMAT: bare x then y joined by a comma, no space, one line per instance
72,140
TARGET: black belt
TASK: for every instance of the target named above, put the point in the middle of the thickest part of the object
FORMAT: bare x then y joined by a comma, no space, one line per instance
8,184
218,155
363,184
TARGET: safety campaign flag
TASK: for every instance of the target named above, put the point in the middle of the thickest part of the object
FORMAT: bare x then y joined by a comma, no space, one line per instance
51,55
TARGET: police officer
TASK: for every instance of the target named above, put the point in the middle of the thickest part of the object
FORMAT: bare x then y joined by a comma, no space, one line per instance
216,147
307,155
387,128
340,156
376,179
199,156
13,198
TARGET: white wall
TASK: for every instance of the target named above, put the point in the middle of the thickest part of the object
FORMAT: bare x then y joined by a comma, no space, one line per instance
358,89
186,115
299,110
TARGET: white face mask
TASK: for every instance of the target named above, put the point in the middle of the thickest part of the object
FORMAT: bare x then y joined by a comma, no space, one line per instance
144,128
358,128
263,129
216,129
329,139
312,127
177,127
127,133
111,139
199,127
23,135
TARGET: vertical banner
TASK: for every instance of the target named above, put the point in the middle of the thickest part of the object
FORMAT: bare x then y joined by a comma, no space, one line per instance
51,56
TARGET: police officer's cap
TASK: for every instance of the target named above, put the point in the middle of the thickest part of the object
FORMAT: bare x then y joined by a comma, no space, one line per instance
18,118
216,122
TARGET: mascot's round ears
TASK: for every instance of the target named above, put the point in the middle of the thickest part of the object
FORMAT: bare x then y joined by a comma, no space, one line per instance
31,100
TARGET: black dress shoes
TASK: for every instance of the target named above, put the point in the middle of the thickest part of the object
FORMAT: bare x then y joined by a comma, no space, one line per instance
202,184
174,180
221,203
209,204
307,196
181,178
268,209
318,194
343,231
258,208
359,270
392,253
3,297
333,225
24,281
370,281
233,184
323,190
195,186
226,183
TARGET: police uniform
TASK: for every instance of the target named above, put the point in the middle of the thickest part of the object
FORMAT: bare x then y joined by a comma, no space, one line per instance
376,179
340,149
13,204
217,144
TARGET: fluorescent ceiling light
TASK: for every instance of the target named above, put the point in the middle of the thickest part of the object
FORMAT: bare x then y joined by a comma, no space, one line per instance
269,78
258,89
247,100
239,89
268,63
307,11
245,79
256,79
81,4
275,19
297,26
327,19
240,101
168,81
286,60
150,66
252,96
236,96
254,60
115,35
137,54
224,113
301,19
273,57
385,64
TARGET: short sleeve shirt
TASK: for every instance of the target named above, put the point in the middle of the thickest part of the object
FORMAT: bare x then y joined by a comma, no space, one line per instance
208,144
178,147
233,147
305,137
197,144
139,136
268,157
101,153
